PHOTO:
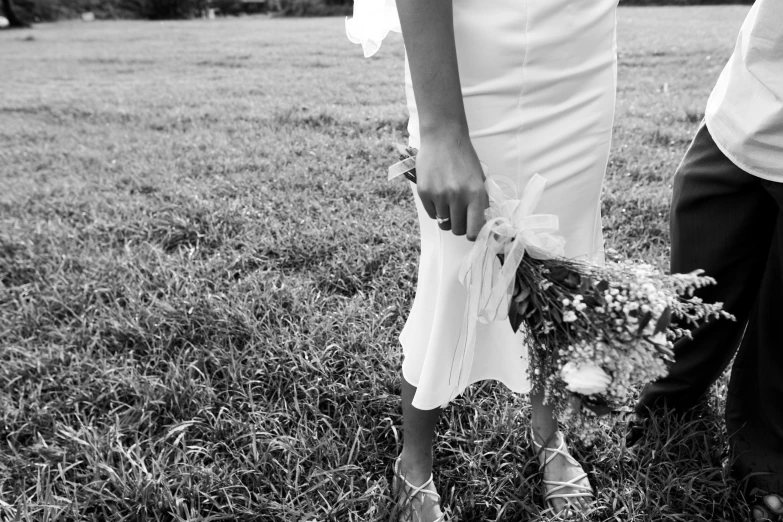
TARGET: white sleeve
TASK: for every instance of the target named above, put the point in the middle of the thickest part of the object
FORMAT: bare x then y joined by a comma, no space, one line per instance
372,20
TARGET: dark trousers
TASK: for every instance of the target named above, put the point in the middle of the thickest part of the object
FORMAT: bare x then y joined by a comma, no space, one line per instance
730,224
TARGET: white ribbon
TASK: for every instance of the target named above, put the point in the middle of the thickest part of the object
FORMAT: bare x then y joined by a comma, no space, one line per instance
511,229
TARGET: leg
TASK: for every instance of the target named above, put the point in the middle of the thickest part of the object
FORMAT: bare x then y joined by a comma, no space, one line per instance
415,464
543,418
722,221
754,417
560,468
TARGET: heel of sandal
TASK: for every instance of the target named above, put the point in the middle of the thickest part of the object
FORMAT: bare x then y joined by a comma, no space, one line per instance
407,494
553,487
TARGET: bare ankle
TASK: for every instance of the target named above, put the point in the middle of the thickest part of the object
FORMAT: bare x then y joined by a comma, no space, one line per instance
548,438
416,469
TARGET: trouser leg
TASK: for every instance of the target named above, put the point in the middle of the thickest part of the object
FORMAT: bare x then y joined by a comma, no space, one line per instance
722,221
754,404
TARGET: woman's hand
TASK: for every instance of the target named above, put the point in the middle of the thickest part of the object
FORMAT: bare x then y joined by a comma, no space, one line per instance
450,182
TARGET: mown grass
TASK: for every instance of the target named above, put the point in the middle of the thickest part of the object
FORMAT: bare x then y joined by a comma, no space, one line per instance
204,274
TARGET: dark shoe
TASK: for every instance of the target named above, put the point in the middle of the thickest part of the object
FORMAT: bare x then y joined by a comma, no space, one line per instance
765,506
636,427
638,421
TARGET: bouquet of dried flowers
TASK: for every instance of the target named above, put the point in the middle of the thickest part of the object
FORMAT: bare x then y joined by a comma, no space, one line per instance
594,332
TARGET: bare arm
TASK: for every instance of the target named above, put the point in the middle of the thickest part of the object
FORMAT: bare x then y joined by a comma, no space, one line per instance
450,176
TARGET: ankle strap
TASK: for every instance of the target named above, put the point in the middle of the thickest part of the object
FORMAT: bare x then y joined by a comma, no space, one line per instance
561,448
415,490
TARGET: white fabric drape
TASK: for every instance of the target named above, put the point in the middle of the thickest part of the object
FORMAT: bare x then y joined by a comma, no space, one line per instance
538,81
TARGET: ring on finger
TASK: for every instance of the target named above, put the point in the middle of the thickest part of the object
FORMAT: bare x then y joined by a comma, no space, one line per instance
442,220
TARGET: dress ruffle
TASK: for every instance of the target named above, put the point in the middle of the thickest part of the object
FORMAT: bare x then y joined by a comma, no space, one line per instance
372,20
538,83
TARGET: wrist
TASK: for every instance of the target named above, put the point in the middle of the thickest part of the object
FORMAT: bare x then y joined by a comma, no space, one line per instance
443,128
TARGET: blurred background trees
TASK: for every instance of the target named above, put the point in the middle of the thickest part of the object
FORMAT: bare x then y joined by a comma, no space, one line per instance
22,11
11,15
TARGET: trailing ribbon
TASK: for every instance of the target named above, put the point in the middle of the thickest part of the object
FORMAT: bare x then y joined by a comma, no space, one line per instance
402,167
407,165
511,230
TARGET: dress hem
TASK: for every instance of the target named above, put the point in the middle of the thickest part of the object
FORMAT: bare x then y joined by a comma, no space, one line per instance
513,389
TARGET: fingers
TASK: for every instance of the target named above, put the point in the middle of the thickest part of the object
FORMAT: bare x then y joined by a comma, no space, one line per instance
452,191
462,219
437,209
428,204
444,215
475,216
465,219
458,218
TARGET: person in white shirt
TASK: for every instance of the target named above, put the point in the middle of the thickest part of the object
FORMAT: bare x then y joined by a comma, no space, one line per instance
727,218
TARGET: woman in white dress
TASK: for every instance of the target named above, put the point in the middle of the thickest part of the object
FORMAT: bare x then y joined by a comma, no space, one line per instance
526,87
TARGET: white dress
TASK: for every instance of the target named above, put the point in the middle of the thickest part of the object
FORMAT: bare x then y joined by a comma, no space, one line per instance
538,80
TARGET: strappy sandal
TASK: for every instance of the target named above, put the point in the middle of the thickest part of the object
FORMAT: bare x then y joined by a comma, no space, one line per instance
554,492
405,509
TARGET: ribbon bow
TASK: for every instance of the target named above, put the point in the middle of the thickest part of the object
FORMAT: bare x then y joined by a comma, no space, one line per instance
511,230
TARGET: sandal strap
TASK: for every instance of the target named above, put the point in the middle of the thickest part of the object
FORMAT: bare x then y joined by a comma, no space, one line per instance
569,483
561,449
415,490
586,491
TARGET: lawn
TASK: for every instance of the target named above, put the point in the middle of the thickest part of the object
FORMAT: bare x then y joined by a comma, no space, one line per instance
204,274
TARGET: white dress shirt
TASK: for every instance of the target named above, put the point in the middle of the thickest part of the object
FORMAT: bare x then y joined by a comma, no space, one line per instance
745,111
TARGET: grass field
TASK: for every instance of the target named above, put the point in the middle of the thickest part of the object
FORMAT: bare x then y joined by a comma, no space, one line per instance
204,274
